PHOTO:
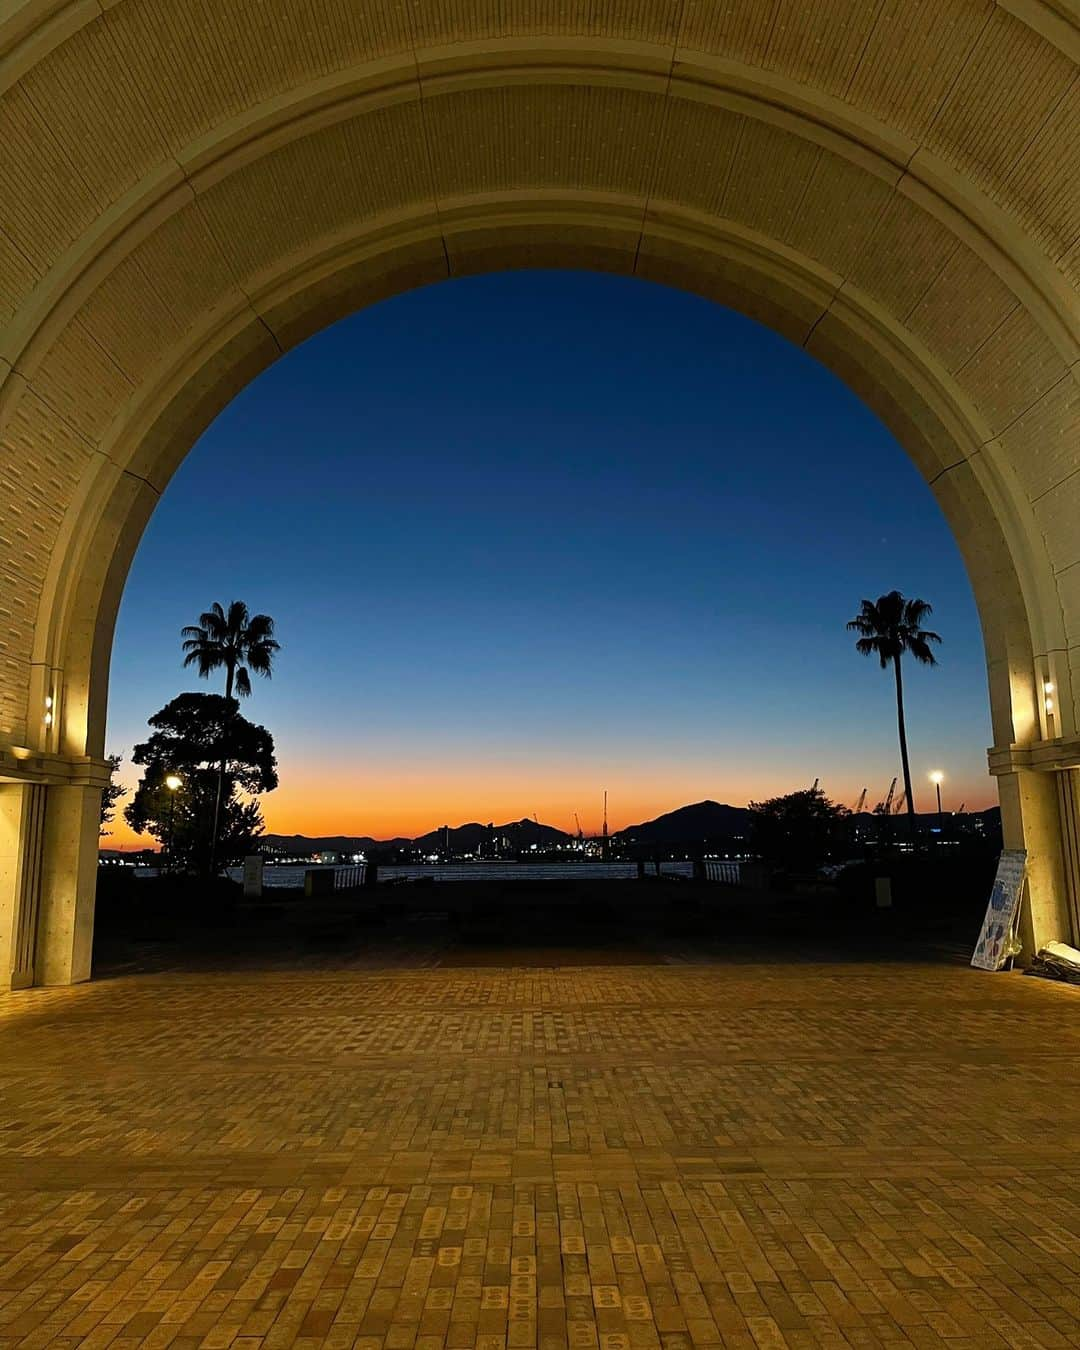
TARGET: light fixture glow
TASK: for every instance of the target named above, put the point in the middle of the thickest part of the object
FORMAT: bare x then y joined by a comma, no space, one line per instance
1048,687
173,781
937,776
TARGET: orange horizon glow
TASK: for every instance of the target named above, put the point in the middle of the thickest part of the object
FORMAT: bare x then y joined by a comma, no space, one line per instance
408,805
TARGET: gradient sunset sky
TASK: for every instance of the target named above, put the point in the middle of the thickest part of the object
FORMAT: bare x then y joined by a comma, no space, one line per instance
533,535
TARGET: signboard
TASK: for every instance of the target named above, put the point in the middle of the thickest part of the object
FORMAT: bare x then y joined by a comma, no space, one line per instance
994,946
253,874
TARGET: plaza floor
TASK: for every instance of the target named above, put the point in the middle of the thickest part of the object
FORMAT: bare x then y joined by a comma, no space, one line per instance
613,1155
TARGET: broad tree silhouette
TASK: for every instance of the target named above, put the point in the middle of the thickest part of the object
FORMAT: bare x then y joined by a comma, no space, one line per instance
889,627
236,642
189,739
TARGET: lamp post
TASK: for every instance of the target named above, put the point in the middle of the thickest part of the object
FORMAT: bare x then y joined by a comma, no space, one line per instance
937,778
173,781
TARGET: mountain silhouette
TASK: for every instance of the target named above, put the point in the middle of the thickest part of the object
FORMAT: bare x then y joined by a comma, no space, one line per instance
695,824
520,834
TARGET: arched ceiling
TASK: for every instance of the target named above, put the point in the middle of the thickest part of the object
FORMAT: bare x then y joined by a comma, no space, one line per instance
187,188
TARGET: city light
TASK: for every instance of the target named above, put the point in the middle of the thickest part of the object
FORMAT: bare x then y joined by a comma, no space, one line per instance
937,776
173,782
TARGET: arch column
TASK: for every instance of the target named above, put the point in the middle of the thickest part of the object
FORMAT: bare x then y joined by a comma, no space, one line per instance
1039,791
1068,785
65,935
49,832
22,823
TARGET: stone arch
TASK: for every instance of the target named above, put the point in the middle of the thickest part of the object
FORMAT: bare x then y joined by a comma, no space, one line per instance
192,191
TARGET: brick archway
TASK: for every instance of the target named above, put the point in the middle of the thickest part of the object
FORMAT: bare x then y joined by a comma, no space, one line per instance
186,195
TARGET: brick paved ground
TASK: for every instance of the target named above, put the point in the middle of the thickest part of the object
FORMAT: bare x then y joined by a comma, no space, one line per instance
617,1156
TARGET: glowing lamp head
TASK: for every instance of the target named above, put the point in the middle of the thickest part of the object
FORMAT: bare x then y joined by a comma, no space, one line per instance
937,776
173,782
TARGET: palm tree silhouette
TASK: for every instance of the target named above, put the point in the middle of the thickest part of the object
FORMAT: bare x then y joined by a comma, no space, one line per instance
888,628
238,642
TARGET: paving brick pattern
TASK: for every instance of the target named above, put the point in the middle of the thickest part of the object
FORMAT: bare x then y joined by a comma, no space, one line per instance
606,1158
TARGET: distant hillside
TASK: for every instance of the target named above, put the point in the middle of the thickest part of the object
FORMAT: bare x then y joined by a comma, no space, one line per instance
990,817
328,843
521,834
702,822
691,824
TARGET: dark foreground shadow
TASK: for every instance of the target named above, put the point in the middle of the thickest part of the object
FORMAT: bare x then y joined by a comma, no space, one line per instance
166,927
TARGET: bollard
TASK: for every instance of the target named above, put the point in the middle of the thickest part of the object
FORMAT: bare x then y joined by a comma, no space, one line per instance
318,881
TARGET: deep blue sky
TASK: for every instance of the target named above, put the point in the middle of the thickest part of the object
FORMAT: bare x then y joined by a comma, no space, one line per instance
531,535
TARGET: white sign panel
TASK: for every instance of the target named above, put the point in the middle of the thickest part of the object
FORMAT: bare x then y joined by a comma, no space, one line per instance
992,949
253,874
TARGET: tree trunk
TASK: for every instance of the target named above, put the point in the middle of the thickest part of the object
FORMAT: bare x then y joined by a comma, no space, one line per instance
221,778
903,741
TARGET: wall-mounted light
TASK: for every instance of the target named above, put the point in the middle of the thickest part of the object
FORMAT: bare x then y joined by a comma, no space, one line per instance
1048,687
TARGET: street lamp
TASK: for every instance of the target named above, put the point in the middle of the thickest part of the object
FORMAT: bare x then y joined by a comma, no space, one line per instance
172,782
937,778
